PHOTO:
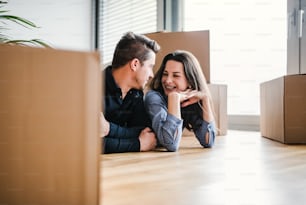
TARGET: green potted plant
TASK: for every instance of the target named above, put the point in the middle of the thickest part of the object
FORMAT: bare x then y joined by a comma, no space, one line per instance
5,17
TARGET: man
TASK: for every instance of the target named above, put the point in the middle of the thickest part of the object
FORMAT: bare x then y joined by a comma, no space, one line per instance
125,125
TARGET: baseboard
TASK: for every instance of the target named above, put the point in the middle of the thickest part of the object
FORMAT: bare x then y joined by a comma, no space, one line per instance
244,122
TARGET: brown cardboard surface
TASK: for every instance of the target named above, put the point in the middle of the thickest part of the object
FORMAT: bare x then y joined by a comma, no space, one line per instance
271,109
295,109
196,42
283,109
219,96
49,131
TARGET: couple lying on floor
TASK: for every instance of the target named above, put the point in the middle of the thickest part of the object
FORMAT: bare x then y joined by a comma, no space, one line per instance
177,97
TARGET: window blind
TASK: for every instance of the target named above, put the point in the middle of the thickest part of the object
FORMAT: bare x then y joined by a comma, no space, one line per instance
117,17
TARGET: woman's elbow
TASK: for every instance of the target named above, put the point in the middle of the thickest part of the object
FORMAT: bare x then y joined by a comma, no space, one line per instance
210,145
172,147
209,140
169,141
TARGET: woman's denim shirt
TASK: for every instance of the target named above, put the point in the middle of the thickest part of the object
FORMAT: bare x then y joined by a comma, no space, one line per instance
168,128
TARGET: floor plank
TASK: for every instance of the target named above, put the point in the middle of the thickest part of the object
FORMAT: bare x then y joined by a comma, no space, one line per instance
242,168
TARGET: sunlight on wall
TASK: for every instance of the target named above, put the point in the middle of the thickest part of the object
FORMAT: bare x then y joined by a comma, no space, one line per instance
248,45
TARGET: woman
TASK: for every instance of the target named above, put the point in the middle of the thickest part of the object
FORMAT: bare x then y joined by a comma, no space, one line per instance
179,98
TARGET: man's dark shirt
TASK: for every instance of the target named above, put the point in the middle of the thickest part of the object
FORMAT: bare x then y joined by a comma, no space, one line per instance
127,117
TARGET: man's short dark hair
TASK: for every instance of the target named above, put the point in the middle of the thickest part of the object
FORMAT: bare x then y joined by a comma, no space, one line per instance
132,46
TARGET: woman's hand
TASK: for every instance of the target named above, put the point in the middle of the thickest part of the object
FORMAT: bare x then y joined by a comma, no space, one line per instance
190,97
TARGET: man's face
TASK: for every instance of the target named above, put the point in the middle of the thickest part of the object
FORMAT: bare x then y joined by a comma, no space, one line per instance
145,72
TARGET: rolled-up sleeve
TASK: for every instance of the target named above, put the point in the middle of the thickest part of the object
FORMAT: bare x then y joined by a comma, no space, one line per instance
167,127
201,131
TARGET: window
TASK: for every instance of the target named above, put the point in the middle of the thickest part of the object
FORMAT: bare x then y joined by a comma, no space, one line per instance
116,17
248,45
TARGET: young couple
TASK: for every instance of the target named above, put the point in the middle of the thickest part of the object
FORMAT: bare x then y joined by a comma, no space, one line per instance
178,97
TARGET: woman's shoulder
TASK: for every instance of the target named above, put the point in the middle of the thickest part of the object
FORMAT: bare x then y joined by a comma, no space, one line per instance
152,92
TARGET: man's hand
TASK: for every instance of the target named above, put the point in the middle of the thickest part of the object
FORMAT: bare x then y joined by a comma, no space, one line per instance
104,125
147,140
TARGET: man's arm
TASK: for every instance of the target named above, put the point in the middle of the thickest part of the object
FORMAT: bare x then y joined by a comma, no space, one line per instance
117,131
112,137
109,129
144,141
116,145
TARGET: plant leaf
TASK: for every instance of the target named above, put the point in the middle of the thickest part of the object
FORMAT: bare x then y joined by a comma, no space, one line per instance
21,21
26,42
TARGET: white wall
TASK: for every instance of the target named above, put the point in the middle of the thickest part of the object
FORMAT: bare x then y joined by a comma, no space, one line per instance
248,45
63,24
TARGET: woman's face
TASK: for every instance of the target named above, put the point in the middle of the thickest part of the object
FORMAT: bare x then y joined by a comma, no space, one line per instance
173,77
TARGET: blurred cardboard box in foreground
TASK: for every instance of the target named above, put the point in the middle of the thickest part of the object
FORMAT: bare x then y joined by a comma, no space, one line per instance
49,139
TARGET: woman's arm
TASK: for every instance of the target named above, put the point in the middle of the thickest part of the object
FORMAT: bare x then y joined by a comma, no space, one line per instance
166,123
208,115
174,104
206,132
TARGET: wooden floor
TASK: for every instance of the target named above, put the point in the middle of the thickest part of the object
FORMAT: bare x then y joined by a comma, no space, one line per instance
242,169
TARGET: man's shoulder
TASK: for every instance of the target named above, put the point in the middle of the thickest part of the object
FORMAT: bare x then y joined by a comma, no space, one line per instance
109,82
107,72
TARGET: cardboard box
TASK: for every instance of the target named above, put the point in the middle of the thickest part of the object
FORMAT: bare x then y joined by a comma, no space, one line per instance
196,42
49,128
219,96
283,109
